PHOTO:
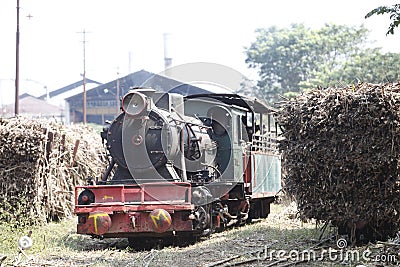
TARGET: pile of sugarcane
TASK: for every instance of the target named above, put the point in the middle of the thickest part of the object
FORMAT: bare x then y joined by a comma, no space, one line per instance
341,151
40,163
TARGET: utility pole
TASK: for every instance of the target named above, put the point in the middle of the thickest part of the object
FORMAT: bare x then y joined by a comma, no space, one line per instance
84,75
129,62
167,57
117,94
16,109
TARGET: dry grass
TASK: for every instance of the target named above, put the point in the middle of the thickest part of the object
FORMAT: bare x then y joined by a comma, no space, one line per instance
57,245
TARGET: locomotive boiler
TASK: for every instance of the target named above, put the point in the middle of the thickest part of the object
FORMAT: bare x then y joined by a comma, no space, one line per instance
150,142
181,167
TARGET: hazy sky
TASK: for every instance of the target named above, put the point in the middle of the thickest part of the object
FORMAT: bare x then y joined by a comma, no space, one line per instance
124,36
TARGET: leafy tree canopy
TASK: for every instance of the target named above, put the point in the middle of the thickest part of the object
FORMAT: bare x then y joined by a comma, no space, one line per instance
297,58
394,12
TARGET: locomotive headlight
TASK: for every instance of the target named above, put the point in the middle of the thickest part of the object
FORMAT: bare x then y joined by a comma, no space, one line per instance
86,197
134,103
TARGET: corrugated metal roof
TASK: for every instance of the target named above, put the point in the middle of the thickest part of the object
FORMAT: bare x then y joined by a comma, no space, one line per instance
67,88
140,78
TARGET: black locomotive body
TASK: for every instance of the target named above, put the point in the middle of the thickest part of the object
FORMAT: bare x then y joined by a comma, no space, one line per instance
182,166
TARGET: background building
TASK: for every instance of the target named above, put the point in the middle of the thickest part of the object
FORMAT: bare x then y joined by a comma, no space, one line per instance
49,105
103,101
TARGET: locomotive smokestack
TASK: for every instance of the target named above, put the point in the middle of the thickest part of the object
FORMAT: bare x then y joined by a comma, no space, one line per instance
137,101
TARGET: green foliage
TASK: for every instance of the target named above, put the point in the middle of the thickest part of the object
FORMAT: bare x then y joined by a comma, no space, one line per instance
46,238
9,238
370,65
291,95
291,60
394,12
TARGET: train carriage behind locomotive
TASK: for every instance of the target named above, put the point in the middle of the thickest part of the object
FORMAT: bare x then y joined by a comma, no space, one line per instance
179,164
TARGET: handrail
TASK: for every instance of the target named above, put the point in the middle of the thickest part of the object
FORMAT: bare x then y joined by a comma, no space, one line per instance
265,143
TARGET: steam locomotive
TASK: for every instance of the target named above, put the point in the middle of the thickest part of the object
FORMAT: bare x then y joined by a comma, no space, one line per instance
182,167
